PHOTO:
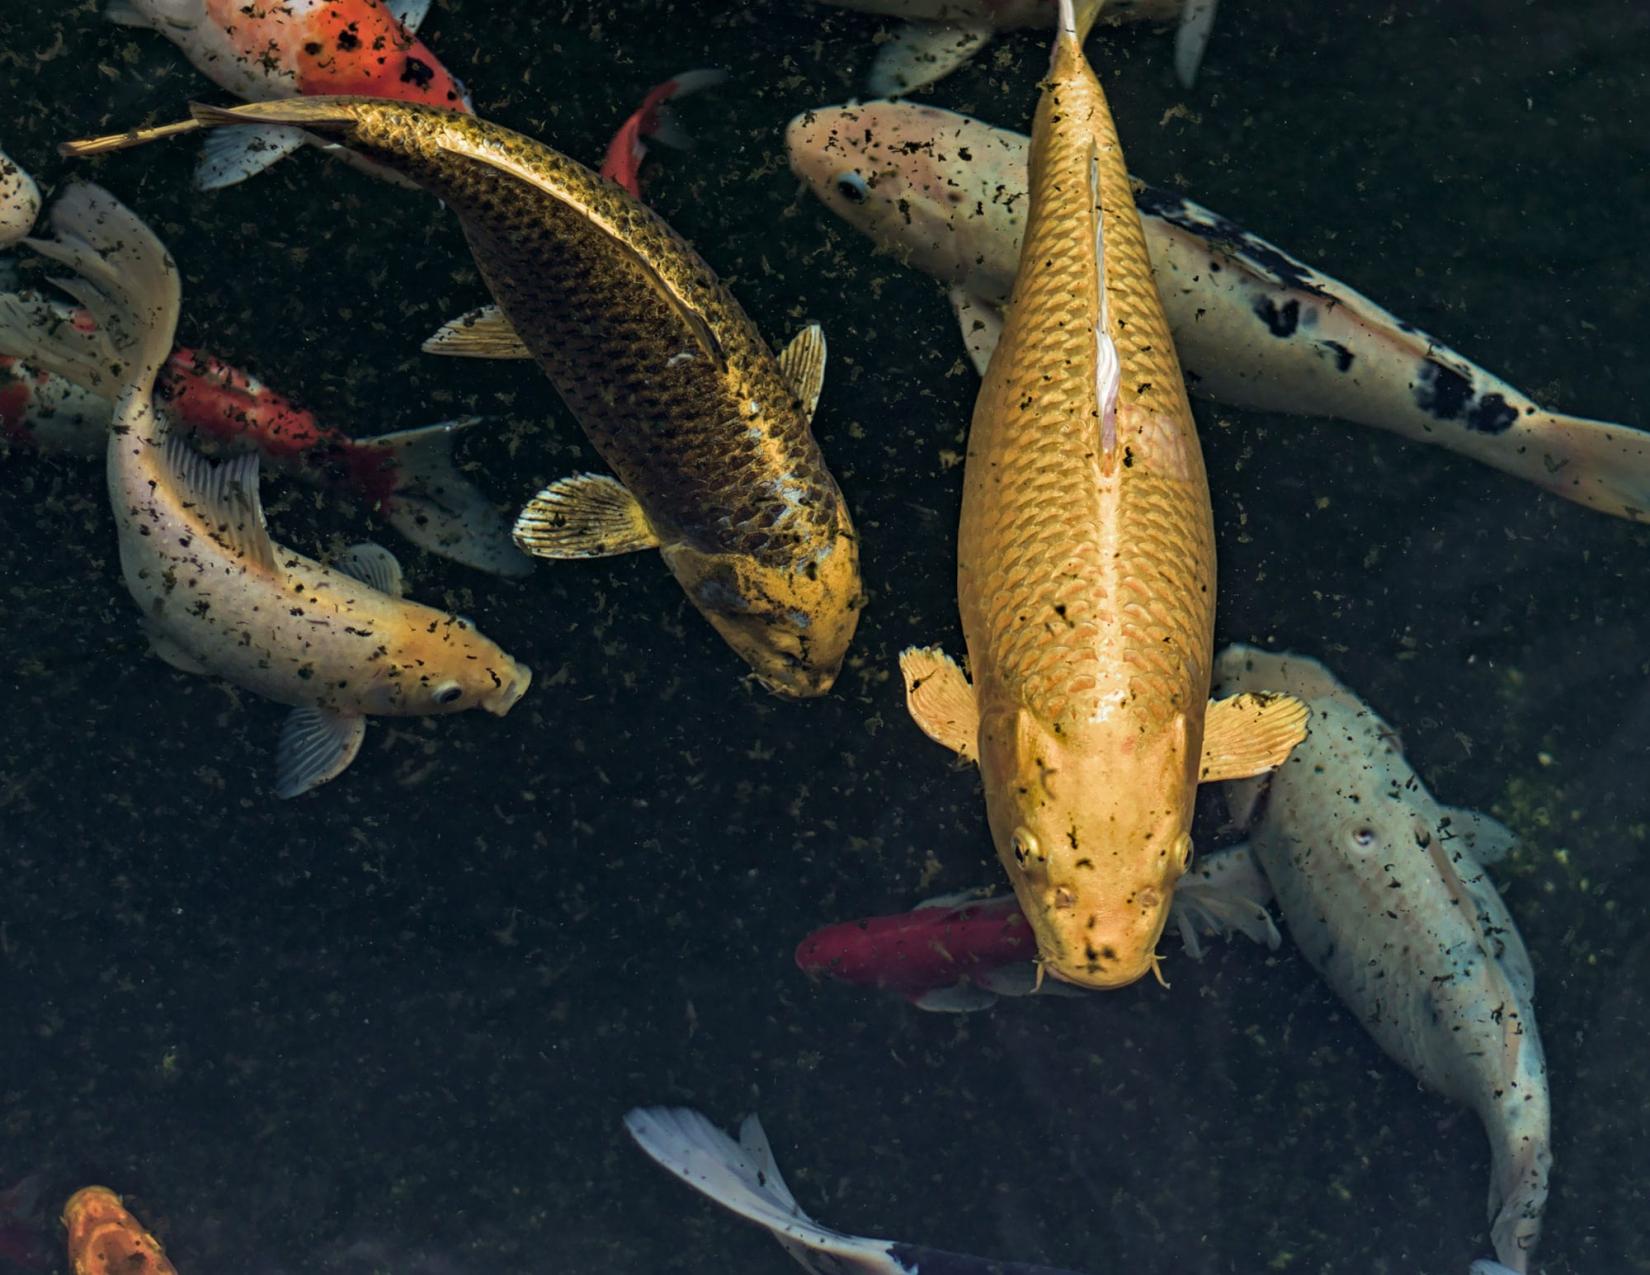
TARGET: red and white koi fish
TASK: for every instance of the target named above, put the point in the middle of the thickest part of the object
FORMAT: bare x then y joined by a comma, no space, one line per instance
363,48
19,201
408,476
623,161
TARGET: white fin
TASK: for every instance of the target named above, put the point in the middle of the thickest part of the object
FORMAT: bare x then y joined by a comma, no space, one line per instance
745,1180
44,335
802,363
165,647
1486,839
481,334
956,899
224,497
316,745
1197,19
438,508
922,52
1226,892
124,277
584,516
126,14
959,998
231,155
374,566
409,13
981,323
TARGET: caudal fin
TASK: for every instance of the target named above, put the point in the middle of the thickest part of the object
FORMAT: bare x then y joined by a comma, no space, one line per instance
438,508
1519,1167
1600,464
55,337
124,278
664,128
743,1178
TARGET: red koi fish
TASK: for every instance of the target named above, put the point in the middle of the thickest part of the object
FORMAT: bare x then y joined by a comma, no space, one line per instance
952,954
408,477
263,51
651,119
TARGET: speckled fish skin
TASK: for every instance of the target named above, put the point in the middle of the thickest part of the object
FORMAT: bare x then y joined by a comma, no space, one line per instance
214,591
1382,893
663,369
1253,325
1086,572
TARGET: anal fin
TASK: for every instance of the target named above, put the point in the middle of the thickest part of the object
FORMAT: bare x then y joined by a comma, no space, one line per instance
481,334
1250,734
584,516
316,745
940,699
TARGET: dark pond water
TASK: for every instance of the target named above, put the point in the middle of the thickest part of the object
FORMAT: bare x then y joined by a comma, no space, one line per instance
410,1010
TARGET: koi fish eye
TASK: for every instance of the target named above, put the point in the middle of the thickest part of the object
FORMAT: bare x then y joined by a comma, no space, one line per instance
448,693
1363,836
1025,845
851,186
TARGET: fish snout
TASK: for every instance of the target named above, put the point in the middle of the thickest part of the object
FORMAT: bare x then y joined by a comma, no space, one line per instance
514,686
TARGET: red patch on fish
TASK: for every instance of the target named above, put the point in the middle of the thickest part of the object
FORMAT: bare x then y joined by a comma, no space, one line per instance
914,953
358,47
623,161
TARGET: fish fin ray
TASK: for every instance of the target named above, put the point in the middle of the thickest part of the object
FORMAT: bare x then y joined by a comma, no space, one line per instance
1191,39
374,566
1225,893
223,498
921,52
230,155
316,745
959,998
802,363
940,699
484,333
981,324
1250,734
43,334
584,516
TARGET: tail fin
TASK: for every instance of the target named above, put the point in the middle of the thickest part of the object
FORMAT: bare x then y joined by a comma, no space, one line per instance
664,128
438,508
1518,1194
124,277
743,1178
53,336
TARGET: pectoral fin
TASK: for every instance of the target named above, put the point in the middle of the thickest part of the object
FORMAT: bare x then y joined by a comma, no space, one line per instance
803,365
163,646
480,334
961,998
584,516
940,700
922,52
231,155
374,566
316,745
1486,839
1250,734
981,324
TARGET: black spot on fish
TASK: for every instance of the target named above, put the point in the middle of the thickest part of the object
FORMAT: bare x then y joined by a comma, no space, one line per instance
1491,415
1343,356
1442,391
1230,236
348,41
313,48
1280,323
417,73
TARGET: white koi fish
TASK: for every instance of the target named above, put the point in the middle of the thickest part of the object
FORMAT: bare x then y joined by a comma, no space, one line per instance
1384,891
217,594
743,1178
1254,326
941,35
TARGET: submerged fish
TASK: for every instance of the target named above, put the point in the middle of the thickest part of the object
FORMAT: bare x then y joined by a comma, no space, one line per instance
652,120
268,51
941,35
408,477
1086,573
19,201
744,1179
1254,326
707,430
1384,891
217,595
104,1239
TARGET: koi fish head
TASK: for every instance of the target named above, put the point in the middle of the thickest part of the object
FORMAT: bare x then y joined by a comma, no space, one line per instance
941,190
1093,837
440,665
792,625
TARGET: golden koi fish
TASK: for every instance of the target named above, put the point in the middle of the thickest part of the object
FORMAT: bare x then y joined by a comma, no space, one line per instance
1086,572
104,1239
707,431
217,594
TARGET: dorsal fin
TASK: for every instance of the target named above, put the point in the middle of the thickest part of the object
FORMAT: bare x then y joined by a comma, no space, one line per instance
683,308
223,498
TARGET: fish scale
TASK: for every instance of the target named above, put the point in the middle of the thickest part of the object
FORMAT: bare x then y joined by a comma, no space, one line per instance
675,423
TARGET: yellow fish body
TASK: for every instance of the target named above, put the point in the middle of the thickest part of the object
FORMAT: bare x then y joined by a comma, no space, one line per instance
1086,572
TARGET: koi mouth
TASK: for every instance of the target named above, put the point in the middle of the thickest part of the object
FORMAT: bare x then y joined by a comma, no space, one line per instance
504,699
